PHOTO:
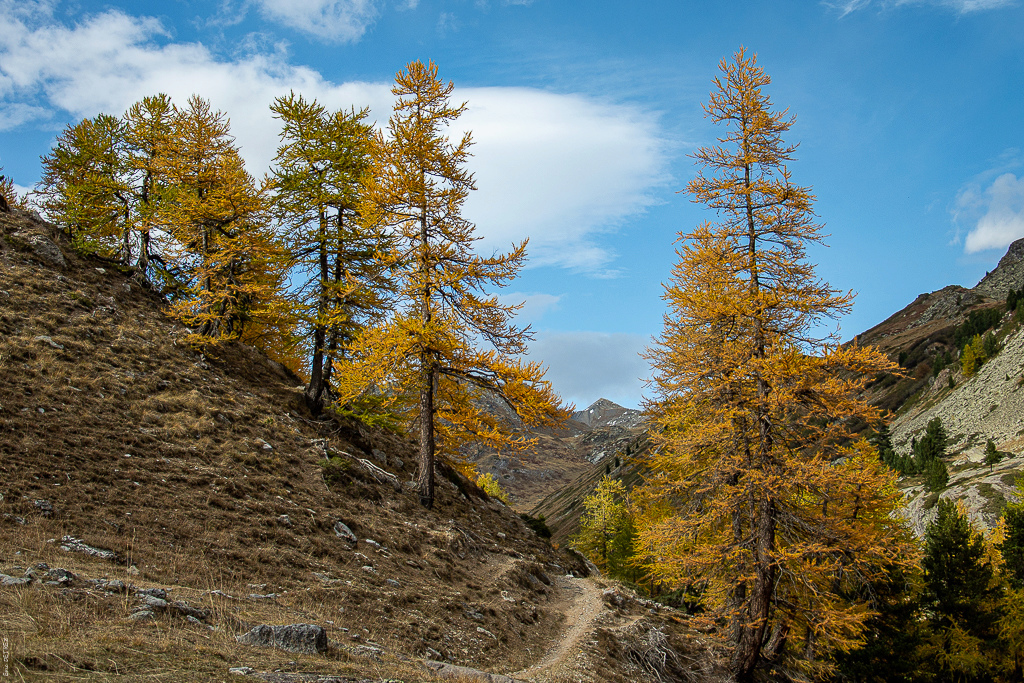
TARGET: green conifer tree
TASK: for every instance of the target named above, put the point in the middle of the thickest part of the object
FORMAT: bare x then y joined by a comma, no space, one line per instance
992,456
957,577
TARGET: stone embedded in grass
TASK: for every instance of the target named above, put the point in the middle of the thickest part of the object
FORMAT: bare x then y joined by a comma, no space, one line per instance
12,581
71,544
44,249
45,507
153,602
61,577
301,638
465,673
342,531
110,585
47,340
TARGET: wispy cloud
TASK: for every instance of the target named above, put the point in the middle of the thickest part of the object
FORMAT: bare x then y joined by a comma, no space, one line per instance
561,169
534,305
960,6
585,366
332,21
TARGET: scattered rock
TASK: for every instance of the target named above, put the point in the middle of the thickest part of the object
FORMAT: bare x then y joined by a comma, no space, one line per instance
60,577
342,531
261,596
152,602
45,507
613,597
76,545
47,340
12,581
16,519
110,585
142,615
194,614
152,592
241,670
43,248
302,638
394,583
284,520
366,651
367,568
465,673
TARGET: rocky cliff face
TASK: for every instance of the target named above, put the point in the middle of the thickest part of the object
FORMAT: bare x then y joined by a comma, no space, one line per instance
1009,274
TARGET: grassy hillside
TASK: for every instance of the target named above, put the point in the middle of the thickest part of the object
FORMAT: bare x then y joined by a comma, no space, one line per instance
205,478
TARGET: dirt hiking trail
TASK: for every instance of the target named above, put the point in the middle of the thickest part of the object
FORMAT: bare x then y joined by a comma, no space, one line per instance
580,601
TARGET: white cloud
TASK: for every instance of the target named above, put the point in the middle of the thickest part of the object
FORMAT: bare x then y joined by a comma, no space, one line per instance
111,60
336,21
559,169
586,366
997,212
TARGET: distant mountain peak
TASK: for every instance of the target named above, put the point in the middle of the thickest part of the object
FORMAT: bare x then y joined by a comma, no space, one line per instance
604,413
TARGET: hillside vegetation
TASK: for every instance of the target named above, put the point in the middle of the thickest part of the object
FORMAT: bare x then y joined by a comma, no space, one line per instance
206,479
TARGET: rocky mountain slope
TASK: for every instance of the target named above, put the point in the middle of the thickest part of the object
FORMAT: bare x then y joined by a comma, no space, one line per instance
593,435
172,515
987,405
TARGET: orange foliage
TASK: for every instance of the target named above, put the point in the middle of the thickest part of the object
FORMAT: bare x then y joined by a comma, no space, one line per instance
761,495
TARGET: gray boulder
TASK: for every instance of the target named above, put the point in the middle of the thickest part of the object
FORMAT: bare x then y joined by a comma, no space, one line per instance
43,248
13,581
302,638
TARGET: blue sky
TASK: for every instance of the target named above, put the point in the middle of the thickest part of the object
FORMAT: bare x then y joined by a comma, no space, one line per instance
908,113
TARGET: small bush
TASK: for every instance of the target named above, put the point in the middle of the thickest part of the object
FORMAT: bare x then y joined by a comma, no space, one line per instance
538,524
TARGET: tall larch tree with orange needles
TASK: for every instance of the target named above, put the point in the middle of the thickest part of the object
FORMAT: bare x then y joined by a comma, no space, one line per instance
760,494
448,339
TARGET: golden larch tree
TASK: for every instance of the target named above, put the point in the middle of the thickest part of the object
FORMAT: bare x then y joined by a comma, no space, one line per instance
229,262
318,184
760,494
447,339
148,130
